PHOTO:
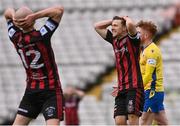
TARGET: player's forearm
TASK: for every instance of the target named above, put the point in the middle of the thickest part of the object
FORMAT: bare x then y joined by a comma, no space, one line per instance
131,27
9,13
103,24
146,79
148,74
49,12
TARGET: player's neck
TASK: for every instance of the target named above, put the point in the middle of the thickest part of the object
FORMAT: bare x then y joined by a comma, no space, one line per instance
121,36
147,43
28,30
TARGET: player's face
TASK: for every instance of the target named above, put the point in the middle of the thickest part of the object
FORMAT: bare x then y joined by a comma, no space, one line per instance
117,28
69,90
143,34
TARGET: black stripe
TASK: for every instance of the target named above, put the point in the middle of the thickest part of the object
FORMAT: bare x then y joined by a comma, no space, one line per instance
41,60
37,84
138,71
53,64
130,77
123,72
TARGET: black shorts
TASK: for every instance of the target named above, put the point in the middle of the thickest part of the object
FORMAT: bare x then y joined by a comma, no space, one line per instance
48,102
129,102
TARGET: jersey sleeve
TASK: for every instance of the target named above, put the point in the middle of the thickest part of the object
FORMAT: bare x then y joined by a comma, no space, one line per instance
109,37
12,30
136,38
151,62
48,29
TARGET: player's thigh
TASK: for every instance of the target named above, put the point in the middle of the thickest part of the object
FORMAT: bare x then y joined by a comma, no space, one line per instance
54,122
28,109
53,107
161,118
135,101
120,113
121,120
120,104
133,119
146,118
21,120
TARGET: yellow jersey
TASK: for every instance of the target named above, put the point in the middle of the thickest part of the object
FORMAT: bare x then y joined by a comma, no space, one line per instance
151,65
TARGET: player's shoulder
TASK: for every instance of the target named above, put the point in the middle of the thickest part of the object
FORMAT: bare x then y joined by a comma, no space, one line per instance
153,49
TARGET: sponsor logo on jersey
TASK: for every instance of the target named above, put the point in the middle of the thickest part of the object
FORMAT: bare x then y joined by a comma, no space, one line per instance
10,25
11,32
43,31
50,25
151,62
122,50
22,110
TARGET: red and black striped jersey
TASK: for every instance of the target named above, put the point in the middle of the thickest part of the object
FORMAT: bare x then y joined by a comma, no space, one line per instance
71,110
36,53
127,53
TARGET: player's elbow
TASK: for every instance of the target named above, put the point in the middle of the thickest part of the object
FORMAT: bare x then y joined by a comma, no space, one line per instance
96,26
7,13
59,10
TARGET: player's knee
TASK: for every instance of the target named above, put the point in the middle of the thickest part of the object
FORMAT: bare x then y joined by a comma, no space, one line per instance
21,120
54,122
143,121
133,119
120,121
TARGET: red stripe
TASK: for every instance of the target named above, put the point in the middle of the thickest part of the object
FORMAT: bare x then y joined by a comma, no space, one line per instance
133,66
47,63
27,39
33,84
51,83
41,85
138,97
119,72
59,103
125,63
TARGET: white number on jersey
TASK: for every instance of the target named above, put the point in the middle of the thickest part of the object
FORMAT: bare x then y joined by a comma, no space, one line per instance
33,63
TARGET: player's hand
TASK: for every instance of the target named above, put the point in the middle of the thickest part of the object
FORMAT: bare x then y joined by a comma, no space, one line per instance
25,22
115,91
125,18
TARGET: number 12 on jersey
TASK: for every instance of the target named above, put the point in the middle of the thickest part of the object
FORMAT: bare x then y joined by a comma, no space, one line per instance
34,63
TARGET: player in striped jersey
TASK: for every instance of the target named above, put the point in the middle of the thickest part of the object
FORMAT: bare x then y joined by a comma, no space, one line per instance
43,91
72,97
126,44
152,72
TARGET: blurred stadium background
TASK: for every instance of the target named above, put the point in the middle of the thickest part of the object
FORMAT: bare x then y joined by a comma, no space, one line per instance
86,61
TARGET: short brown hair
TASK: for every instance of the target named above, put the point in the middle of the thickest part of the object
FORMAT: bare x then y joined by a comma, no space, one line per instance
123,22
148,25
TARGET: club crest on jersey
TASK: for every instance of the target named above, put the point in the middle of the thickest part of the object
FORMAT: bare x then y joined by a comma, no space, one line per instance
11,32
50,25
122,50
43,31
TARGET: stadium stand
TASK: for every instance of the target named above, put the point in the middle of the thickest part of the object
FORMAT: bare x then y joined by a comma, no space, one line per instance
83,57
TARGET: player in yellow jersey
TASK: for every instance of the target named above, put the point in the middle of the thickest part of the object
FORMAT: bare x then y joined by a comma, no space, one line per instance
152,72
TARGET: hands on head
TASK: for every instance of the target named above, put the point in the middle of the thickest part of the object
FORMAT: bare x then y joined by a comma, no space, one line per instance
26,22
23,18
